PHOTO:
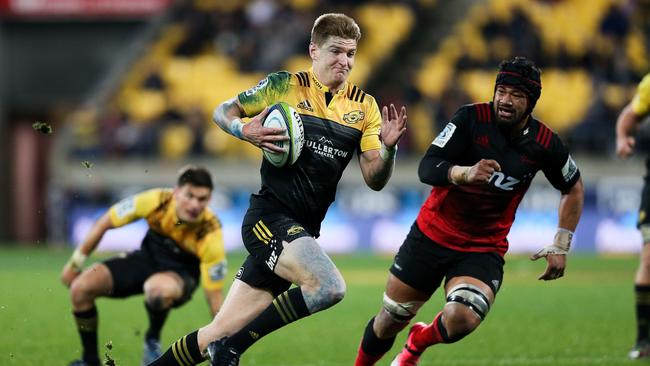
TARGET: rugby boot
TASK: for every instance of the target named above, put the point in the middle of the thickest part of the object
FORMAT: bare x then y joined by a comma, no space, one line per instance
152,351
640,350
222,355
410,354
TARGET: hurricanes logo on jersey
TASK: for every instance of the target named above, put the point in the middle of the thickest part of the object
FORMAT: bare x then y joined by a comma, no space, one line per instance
295,229
353,117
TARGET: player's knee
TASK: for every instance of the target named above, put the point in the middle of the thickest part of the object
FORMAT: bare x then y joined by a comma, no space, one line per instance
334,291
158,303
466,307
159,298
385,326
459,321
80,292
399,312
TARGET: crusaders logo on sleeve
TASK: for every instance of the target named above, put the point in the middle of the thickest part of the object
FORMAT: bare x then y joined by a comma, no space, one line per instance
445,135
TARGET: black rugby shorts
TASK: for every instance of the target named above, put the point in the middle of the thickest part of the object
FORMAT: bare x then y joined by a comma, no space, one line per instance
422,264
263,234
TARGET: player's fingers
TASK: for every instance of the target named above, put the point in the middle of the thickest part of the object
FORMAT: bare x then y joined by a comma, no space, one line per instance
275,137
544,276
384,114
493,164
269,146
536,256
273,131
393,111
403,117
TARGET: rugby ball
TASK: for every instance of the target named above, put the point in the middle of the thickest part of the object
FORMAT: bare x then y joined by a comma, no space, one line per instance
282,115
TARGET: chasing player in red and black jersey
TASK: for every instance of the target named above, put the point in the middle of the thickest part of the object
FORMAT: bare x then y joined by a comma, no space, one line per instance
480,167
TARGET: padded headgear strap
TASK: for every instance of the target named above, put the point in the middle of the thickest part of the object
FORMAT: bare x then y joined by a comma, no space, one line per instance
521,73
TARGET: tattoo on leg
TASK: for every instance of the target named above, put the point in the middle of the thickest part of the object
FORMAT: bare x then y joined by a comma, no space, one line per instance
330,287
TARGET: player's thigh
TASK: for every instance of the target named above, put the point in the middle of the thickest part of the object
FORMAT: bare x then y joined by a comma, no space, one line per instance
284,247
242,304
167,284
94,281
400,303
482,270
129,273
420,265
303,261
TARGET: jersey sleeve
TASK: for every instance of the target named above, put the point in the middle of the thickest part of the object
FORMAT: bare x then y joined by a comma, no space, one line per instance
135,207
370,138
213,261
268,91
641,101
560,169
446,149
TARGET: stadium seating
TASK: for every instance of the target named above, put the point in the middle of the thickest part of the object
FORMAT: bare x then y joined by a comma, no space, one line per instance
213,49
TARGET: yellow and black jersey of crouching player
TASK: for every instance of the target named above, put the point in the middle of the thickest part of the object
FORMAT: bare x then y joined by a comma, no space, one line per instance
196,246
336,126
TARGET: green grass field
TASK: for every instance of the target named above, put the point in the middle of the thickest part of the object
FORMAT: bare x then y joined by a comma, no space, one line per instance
585,318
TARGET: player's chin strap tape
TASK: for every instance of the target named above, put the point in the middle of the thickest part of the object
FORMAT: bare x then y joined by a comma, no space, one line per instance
401,312
472,297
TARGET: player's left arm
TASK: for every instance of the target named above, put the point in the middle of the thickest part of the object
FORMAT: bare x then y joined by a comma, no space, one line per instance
213,269
563,174
214,299
377,164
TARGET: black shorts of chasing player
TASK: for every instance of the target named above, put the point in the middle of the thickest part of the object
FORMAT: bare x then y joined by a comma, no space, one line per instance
157,254
422,264
263,234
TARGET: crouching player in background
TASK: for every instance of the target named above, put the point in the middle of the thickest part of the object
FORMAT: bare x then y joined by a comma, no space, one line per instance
184,242
480,167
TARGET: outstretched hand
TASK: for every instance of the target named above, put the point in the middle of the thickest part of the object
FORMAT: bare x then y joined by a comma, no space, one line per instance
68,274
555,264
263,137
393,126
625,146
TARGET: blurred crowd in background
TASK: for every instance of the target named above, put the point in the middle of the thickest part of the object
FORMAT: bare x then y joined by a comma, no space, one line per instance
592,53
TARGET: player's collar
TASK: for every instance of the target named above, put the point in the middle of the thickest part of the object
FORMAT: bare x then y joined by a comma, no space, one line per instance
322,87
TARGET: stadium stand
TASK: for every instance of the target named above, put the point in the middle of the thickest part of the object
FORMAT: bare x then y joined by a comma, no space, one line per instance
211,50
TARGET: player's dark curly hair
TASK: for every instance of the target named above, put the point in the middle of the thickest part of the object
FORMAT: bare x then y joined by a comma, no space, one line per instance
521,73
197,176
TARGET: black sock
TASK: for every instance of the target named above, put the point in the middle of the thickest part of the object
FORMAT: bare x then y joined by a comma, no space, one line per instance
642,293
373,345
286,308
87,328
183,352
156,320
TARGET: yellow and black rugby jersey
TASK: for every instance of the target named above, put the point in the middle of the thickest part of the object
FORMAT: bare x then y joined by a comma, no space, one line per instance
641,101
336,125
202,239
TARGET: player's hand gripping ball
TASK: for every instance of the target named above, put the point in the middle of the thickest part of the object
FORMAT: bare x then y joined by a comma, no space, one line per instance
282,115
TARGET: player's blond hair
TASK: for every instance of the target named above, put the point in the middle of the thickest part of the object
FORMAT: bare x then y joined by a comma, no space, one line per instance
335,25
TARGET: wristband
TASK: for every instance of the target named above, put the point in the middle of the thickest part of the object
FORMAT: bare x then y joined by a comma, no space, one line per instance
236,127
562,239
463,175
77,259
387,153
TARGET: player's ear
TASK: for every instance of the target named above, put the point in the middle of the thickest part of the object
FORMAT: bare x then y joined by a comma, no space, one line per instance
313,51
